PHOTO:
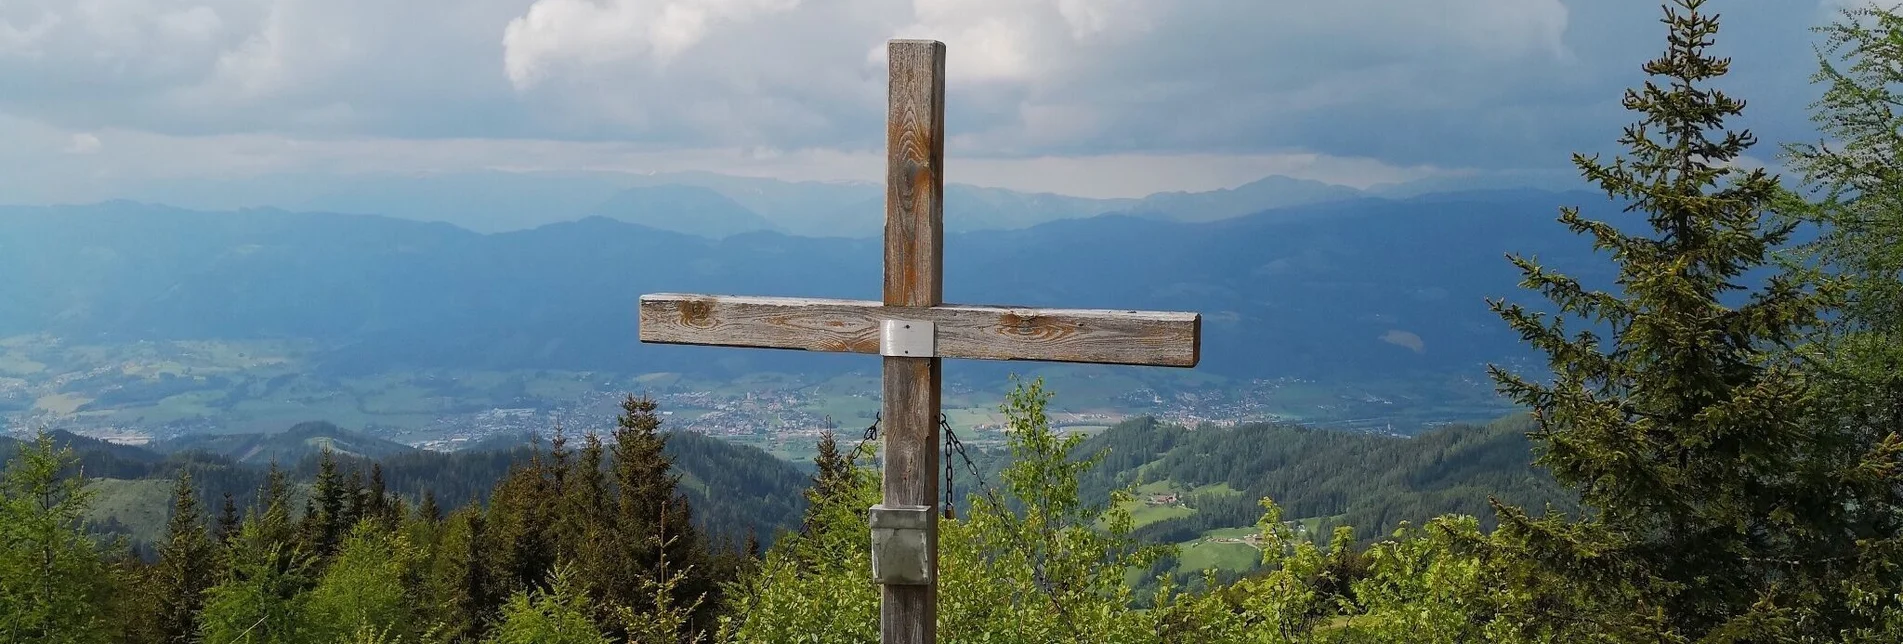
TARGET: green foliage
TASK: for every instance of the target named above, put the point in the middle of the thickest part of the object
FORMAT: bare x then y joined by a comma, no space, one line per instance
815,586
188,566
264,599
367,586
559,615
1371,482
1026,567
51,572
1719,502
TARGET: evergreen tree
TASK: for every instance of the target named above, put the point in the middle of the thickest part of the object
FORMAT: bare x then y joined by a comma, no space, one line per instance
653,520
589,531
356,503
187,567
520,547
1683,434
1858,360
831,470
51,573
428,511
365,587
273,516
377,498
227,521
558,615
265,596
462,597
323,518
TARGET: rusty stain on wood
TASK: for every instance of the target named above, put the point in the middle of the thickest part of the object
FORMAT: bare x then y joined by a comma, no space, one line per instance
914,277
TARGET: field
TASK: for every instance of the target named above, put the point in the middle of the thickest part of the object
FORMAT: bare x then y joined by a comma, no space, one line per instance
142,505
1214,550
146,390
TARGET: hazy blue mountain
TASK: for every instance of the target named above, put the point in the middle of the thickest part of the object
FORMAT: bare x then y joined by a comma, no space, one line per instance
1365,286
806,208
857,209
491,201
500,201
693,210
1264,194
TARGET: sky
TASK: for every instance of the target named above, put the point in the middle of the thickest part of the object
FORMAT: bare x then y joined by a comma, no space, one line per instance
1102,98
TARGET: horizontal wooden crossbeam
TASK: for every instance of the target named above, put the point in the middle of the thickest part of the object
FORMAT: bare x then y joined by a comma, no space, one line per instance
1166,339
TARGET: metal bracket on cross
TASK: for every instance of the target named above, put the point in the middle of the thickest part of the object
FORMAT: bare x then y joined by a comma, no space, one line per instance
901,551
908,339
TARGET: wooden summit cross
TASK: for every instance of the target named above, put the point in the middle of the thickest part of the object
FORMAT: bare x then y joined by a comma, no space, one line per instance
913,328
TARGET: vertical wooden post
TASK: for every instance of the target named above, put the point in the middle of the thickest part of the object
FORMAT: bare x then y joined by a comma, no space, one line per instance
914,272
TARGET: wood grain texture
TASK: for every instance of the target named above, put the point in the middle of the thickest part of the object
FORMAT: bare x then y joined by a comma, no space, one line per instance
1169,339
914,277
908,416
915,174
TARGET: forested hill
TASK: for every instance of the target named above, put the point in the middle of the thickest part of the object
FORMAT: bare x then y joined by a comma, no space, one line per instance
1371,482
732,488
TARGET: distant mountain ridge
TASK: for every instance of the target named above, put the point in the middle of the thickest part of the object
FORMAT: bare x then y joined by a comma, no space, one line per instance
701,203
290,446
1304,291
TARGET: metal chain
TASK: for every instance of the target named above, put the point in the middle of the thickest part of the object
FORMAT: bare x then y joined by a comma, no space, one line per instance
955,446
951,443
872,432
1038,574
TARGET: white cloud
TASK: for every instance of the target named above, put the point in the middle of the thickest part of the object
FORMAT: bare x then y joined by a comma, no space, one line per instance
587,32
1417,84
83,143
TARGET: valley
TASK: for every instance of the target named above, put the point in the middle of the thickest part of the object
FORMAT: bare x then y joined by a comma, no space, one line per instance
140,392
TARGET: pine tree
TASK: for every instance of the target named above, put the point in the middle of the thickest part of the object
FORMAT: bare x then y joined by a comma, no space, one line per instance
462,596
1679,434
227,521
51,572
323,524
1857,361
593,542
187,567
377,498
558,615
429,511
654,522
520,546
356,503
275,530
265,596
831,469
365,585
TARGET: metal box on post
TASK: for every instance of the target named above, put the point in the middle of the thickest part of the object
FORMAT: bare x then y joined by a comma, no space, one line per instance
900,553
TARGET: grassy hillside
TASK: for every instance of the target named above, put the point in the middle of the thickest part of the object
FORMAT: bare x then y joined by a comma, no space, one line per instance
289,446
1200,488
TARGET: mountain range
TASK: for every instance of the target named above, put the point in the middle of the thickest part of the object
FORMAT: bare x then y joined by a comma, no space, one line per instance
1357,286
715,205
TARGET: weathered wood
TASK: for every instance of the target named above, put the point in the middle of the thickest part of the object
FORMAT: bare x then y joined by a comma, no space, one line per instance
1166,339
914,277
915,174
909,418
